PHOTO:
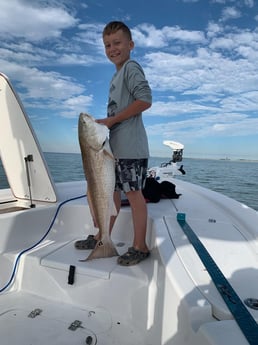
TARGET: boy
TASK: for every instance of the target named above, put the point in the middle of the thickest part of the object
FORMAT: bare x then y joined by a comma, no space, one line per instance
129,96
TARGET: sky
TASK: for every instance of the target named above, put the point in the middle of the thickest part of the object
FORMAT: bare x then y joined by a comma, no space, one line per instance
199,56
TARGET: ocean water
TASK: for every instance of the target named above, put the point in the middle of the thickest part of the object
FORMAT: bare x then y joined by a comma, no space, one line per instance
236,179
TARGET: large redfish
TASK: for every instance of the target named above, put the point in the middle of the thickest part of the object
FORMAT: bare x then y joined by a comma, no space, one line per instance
99,168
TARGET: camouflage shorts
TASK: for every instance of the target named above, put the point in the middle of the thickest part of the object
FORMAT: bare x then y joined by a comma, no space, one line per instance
130,174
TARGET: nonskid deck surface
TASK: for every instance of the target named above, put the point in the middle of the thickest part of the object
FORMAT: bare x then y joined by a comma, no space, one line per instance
57,258
66,256
29,320
48,310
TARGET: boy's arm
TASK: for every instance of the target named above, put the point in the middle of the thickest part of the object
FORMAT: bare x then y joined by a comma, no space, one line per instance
133,109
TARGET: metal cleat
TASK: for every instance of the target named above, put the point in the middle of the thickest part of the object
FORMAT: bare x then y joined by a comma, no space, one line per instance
34,313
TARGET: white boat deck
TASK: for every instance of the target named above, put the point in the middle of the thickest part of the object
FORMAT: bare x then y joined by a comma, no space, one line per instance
104,296
115,304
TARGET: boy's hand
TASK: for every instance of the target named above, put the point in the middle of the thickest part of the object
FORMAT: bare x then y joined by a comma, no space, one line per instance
108,121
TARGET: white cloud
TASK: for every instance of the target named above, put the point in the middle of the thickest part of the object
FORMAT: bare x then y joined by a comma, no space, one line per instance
212,125
230,13
79,59
75,105
177,108
91,33
25,20
26,54
249,3
224,65
146,35
52,87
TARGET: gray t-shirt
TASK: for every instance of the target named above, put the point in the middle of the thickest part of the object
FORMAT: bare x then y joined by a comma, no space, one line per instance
128,139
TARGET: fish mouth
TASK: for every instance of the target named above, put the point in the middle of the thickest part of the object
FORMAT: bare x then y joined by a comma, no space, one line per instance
84,117
91,133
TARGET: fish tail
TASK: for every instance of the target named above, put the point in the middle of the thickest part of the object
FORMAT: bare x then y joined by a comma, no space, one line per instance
103,249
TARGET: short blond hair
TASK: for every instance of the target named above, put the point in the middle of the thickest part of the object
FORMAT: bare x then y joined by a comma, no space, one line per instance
113,27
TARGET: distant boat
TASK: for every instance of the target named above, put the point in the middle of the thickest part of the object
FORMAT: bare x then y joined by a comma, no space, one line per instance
199,286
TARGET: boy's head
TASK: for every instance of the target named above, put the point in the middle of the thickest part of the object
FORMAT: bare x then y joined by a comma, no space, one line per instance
113,27
117,39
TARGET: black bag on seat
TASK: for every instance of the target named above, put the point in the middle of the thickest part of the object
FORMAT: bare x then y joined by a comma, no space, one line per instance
168,190
152,190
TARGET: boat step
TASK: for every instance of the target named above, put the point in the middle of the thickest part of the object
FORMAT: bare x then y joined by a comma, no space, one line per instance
68,255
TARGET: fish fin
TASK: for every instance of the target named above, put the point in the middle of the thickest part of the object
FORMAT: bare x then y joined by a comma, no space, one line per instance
91,209
107,149
103,249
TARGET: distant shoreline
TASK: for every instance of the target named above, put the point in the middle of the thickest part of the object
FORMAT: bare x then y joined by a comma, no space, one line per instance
244,160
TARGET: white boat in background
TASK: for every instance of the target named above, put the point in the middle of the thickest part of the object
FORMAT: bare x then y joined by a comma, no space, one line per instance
170,169
47,296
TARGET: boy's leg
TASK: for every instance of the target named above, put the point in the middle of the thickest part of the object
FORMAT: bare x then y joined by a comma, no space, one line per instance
131,177
139,251
139,214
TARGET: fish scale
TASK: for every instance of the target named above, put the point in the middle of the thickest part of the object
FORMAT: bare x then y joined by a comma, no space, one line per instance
99,168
